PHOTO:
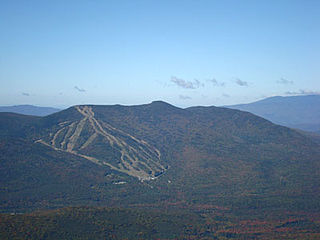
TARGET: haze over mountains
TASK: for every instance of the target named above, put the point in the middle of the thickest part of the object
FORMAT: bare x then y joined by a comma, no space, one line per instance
302,112
29,110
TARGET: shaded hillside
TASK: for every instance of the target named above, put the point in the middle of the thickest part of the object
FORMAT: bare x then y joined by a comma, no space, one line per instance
301,112
29,110
157,156
17,125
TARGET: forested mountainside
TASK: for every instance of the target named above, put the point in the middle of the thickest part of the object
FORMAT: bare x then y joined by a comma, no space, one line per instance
157,156
96,154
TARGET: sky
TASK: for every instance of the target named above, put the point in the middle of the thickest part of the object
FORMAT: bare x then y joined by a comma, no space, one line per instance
187,53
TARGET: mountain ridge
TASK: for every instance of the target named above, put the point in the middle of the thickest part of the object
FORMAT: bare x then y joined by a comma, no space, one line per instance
29,110
302,112
155,154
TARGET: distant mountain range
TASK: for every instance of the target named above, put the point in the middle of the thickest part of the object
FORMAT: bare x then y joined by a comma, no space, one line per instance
29,110
302,112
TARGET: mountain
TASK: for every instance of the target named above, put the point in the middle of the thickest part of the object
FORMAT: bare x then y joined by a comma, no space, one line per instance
29,110
194,173
302,112
156,156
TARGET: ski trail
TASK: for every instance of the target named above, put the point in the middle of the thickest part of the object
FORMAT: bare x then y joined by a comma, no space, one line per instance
89,141
133,156
74,137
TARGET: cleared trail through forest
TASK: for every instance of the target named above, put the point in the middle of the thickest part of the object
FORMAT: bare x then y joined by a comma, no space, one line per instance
138,158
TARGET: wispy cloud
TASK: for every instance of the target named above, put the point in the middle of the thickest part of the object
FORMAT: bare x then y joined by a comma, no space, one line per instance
284,81
25,94
225,95
302,92
186,84
184,97
162,83
79,89
215,82
241,82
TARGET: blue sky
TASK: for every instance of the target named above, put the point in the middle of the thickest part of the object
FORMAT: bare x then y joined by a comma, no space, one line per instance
62,53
